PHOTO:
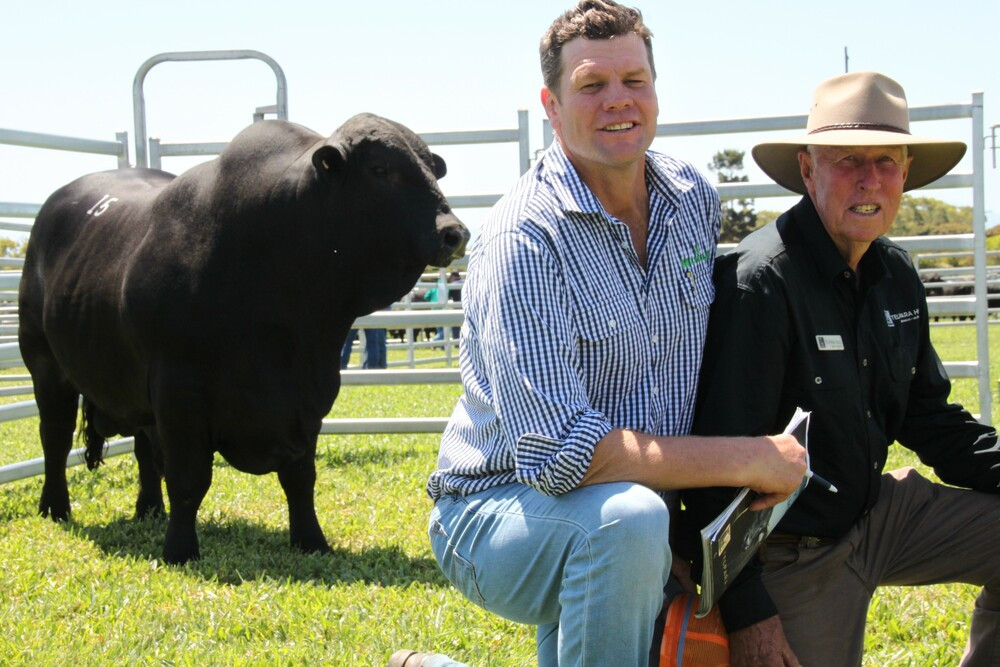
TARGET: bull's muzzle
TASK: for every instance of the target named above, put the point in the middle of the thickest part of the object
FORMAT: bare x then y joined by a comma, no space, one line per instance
453,235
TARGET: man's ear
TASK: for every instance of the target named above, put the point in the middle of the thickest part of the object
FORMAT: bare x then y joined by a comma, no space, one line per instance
805,167
906,167
551,105
328,159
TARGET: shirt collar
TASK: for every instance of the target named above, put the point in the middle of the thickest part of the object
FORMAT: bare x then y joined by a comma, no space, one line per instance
574,195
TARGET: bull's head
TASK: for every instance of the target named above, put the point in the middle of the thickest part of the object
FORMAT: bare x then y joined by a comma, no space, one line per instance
393,176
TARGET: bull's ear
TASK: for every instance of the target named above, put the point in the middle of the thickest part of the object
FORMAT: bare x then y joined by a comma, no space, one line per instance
328,159
440,168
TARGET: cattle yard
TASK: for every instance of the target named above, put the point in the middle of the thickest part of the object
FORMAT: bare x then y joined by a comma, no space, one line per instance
412,315
407,425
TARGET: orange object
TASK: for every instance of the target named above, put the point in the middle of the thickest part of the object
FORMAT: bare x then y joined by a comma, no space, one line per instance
693,642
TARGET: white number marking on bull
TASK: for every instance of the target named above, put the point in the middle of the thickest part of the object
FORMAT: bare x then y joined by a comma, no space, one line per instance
101,206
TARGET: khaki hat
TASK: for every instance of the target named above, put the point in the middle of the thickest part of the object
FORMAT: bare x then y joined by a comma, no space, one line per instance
859,109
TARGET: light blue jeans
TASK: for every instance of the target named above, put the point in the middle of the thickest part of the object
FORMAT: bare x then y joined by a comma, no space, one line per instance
587,567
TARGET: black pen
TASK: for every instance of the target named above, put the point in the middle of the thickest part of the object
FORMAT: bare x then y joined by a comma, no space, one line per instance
822,482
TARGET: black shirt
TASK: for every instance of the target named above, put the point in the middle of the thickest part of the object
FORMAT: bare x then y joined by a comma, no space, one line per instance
793,325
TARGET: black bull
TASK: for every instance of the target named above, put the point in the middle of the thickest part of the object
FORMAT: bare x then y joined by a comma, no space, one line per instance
205,313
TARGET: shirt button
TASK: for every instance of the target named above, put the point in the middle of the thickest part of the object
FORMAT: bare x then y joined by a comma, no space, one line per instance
655,339
847,274
913,370
655,390
869,413
875,466
819,380
612,323
864,362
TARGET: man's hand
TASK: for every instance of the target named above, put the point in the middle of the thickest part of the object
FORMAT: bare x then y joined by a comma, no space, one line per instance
761,645
777,471
681,569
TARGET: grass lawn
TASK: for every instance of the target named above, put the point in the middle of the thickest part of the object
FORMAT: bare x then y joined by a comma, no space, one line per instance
93,591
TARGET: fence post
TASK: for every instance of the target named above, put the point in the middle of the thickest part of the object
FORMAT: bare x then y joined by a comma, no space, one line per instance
122,138
979,261
522,140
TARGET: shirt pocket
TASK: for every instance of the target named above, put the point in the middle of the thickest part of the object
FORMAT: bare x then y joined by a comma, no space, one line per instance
696,287
903,363
608,320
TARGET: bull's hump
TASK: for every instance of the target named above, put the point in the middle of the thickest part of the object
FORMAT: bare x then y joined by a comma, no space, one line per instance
270,137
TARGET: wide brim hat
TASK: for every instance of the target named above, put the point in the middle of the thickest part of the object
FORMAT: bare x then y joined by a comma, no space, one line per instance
859,109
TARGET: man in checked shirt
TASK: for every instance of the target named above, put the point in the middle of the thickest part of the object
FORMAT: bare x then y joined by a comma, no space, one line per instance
586,303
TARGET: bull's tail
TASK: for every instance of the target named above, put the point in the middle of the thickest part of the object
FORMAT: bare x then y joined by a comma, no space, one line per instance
93,455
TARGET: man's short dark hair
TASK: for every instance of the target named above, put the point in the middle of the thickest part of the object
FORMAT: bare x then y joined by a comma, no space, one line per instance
590,19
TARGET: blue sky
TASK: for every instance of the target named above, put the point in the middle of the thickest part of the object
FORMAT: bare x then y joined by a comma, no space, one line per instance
68,69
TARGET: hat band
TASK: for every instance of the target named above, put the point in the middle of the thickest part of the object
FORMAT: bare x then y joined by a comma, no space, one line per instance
860,126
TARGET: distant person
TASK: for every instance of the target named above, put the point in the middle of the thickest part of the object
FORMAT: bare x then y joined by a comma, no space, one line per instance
455,296
586,302
820,310
373,354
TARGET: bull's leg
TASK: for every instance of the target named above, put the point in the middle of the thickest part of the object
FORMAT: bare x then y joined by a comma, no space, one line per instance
188,473
57,410
150,500
298,479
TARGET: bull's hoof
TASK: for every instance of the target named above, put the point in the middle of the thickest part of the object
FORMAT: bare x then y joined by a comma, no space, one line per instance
313,546
178,550
149,510
179,556
156,512
56,511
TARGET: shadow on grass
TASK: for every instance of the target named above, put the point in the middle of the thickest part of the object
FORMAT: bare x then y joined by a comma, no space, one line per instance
237,551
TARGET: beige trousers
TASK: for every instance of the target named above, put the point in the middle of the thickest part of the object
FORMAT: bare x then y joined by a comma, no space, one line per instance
918,533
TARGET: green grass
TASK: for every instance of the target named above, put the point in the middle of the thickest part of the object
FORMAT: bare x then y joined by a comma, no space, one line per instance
93,590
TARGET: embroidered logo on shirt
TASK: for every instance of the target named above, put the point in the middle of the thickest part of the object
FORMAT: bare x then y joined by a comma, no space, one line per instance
698,257
902,317
829,343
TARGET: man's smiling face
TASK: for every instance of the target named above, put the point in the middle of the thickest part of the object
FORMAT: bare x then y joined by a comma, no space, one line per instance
605,110
856,191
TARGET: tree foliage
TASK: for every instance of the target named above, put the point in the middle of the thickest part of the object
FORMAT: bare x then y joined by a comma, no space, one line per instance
923,216
11,248
738,215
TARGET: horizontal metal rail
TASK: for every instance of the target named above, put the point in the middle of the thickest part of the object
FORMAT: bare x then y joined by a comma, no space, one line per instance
518,135
117,148
35,467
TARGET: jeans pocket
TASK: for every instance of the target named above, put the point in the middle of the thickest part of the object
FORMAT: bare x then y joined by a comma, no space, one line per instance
457,569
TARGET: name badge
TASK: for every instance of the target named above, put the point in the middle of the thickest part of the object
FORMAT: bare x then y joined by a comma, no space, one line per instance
830,343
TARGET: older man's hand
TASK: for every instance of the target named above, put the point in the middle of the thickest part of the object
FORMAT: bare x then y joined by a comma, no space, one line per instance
761,645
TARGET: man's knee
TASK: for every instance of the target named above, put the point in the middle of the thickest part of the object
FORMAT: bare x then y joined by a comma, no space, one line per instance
636,521
638,506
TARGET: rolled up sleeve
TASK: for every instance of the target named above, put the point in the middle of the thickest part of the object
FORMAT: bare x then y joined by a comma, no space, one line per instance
528,345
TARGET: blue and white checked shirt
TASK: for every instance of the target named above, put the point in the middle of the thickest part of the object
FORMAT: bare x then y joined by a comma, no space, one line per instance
566,336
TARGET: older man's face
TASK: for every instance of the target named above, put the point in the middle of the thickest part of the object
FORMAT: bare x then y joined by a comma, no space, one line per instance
856,190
